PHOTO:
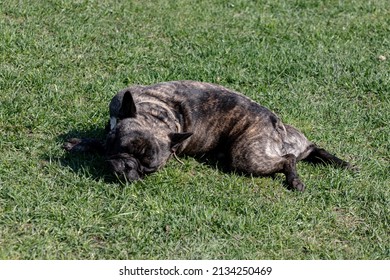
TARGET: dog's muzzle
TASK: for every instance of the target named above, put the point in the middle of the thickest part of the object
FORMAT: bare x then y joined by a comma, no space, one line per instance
127,166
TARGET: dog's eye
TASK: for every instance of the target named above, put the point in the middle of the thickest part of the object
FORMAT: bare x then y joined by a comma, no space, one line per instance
146,158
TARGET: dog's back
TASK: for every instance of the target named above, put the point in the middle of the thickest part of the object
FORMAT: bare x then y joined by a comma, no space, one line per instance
216,116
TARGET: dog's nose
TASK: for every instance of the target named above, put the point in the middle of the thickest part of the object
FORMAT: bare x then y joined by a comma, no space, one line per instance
132,175
125,167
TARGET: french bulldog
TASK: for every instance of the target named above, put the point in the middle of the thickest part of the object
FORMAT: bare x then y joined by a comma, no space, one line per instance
150,124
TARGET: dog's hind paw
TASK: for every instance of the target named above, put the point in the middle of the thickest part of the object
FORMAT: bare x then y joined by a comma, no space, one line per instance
298,185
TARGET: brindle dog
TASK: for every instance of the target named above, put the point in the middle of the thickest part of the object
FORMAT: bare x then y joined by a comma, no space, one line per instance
149,124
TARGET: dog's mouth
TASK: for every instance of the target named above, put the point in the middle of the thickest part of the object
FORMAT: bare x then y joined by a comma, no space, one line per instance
126,165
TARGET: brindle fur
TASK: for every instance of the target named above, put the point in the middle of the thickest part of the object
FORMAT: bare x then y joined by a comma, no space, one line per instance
150,123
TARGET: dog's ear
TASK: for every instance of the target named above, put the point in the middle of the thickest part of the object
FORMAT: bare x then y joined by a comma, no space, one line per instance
177,139
127,109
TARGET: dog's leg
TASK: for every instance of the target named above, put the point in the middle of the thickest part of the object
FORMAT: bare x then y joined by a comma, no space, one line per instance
319,155
84,145
290,170
286,164
256,161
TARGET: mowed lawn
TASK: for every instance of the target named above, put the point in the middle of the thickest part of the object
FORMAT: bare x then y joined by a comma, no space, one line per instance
323,66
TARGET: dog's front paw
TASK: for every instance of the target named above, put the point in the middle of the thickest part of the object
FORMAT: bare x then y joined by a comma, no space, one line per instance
85,145
73,145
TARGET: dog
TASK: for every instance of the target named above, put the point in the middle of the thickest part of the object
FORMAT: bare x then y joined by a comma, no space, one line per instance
150,124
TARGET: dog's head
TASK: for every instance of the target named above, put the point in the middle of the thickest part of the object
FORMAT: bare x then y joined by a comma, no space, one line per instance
133,148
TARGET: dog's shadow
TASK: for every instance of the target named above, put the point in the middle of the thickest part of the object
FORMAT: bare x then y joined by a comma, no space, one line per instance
92,164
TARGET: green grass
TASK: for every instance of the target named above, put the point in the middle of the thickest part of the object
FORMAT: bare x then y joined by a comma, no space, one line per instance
315,63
